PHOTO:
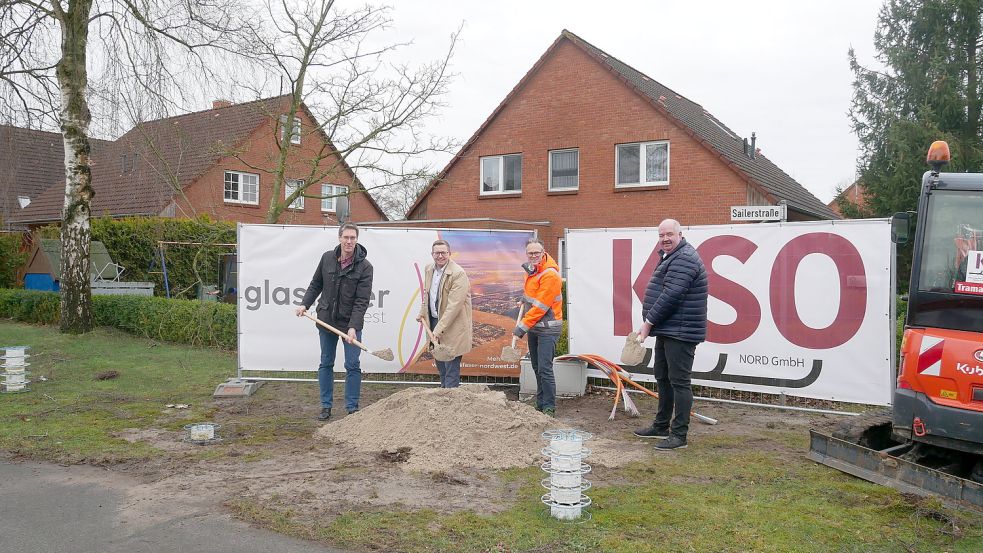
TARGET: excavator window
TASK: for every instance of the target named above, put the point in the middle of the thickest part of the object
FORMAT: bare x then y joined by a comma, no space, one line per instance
953,247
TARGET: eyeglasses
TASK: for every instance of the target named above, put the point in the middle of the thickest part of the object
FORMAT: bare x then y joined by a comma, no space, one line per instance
535,254
436,254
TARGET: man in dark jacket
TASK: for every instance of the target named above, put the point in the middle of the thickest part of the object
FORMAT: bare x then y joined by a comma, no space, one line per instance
344,281
675,312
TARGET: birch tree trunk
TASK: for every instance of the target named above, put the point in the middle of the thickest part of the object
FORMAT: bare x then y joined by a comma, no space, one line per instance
76,291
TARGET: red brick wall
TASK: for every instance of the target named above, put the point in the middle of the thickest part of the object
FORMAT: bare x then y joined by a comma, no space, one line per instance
572,101
206,195
853,194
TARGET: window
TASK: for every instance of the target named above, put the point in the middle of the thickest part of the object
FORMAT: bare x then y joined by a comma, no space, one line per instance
330,193
241,188
291,186
501,174
294,134
564,169
642,164
953,235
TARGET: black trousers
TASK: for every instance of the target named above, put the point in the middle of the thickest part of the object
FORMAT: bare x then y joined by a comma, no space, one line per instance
673,364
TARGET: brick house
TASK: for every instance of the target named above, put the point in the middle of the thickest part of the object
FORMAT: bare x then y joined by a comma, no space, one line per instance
853,194
30,161
216,162
586,141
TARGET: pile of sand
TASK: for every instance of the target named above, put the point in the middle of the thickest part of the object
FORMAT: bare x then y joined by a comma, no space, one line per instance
466,427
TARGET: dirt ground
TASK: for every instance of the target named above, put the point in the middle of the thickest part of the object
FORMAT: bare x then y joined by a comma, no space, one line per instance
323,478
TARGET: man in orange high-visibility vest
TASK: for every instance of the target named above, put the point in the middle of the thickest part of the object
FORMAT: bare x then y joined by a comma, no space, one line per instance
543,320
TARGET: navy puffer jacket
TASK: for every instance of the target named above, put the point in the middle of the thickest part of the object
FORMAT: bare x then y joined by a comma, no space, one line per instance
676,297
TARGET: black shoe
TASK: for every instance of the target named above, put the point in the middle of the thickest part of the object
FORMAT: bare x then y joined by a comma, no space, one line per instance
353,411
325,414
673,442
652,432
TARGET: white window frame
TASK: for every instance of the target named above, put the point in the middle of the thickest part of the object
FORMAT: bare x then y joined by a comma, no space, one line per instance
330,205
550,164
641,164
501,172
294,134
289,186
242,188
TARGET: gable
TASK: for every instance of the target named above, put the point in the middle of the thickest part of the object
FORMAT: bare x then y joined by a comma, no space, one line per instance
687,116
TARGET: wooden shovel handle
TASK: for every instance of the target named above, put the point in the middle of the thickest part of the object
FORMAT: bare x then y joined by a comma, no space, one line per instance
430,333
517,319
335,330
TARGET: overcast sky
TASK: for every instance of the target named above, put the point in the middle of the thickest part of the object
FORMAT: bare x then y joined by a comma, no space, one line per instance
777,68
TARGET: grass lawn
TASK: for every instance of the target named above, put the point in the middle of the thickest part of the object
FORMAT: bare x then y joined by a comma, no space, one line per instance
724,493
72,416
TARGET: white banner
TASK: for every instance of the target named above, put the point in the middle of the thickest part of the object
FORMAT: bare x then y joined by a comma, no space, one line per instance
276,263
799,308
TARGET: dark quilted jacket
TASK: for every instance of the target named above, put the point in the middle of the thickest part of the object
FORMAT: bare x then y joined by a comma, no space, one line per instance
676,297
345,293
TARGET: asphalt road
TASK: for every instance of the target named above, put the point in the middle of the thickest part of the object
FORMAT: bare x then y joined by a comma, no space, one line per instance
79,509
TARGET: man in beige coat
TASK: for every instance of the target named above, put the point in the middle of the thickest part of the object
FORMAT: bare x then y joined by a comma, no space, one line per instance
447,308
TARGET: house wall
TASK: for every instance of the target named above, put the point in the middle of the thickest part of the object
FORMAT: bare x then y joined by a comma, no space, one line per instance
854,194
206,194
572,101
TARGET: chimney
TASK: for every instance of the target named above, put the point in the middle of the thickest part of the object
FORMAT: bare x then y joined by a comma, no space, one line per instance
754,152
220,104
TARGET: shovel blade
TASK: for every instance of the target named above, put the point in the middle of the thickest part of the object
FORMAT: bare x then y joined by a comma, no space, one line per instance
510,354
384,354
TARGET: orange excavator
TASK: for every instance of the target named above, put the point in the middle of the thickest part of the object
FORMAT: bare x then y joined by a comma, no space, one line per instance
931,440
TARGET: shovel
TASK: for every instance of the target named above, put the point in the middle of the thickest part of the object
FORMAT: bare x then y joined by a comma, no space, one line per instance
440,352
510,353
384,354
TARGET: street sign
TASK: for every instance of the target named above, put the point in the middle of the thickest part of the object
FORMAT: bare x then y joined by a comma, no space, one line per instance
757,213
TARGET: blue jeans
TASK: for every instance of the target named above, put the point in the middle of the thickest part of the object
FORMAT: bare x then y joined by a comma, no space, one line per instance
449,371
353,370
542,349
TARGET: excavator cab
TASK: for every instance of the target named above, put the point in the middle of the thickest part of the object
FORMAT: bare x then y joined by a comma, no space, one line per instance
939,394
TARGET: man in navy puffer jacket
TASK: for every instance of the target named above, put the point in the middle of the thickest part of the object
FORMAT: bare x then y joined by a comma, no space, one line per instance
675,312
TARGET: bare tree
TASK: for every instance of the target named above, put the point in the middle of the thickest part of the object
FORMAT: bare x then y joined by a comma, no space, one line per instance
139,46
395,201
370,111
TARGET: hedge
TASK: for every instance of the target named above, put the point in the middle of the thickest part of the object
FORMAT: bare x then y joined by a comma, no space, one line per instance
132,243
184,321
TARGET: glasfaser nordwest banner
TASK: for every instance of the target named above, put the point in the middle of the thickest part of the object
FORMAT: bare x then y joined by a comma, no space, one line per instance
803,309
276,263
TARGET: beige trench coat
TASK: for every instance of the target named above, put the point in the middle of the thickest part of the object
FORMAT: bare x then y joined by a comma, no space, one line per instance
454,308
